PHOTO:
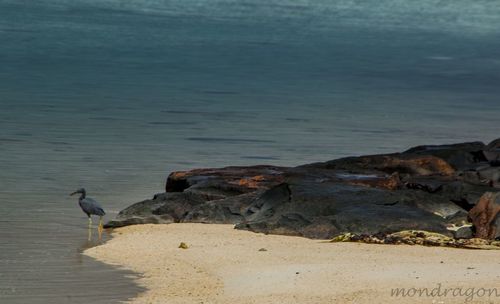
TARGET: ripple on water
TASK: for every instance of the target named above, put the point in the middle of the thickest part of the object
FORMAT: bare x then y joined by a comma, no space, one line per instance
229,140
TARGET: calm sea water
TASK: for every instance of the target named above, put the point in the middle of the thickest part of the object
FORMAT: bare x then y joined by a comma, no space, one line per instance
113,95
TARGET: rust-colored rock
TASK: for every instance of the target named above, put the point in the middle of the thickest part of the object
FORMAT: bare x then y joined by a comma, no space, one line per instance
257,182
389,182
483,216
422,165
243,178
461,156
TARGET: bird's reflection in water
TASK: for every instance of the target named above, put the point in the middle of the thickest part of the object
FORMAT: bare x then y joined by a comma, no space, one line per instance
87,243
99,233
92,241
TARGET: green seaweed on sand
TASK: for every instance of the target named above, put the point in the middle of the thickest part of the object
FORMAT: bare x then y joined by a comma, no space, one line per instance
418,237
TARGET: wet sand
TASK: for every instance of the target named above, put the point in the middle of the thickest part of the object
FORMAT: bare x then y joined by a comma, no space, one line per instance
224,265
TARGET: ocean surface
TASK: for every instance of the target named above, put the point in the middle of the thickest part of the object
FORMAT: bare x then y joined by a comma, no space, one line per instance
113,95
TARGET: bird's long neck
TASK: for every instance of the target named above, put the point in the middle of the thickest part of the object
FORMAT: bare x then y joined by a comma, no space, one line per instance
82,196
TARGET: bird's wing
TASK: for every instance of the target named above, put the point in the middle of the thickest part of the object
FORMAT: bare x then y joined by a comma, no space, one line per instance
90,206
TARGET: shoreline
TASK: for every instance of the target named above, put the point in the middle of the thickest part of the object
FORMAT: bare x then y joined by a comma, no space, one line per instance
225,265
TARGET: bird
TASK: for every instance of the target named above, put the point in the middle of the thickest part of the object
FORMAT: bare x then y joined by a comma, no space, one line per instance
90,207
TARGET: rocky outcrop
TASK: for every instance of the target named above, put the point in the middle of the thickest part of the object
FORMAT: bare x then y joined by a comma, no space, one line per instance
432,188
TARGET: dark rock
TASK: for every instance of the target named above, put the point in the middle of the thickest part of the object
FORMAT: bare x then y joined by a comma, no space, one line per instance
497,225
162,209
178,205
389,182
492,152
464,194
472,177
223,211
427,184
136,220
494,144
493,156
488,175
320,228
459,156
464,233
424,188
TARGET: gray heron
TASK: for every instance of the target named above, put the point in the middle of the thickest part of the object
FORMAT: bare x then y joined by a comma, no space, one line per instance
90,207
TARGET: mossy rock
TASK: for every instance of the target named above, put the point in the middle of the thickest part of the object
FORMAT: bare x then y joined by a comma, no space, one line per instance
419,237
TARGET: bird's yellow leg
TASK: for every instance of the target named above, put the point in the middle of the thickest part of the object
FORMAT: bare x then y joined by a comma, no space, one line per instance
90,229
100,229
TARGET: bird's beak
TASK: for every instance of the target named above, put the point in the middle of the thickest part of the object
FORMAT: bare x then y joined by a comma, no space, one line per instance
73,193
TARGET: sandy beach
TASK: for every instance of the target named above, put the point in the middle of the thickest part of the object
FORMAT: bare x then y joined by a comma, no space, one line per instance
224,265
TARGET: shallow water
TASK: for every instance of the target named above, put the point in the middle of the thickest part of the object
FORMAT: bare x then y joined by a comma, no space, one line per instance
113,95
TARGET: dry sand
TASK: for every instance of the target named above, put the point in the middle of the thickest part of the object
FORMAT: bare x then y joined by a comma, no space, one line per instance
224,265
